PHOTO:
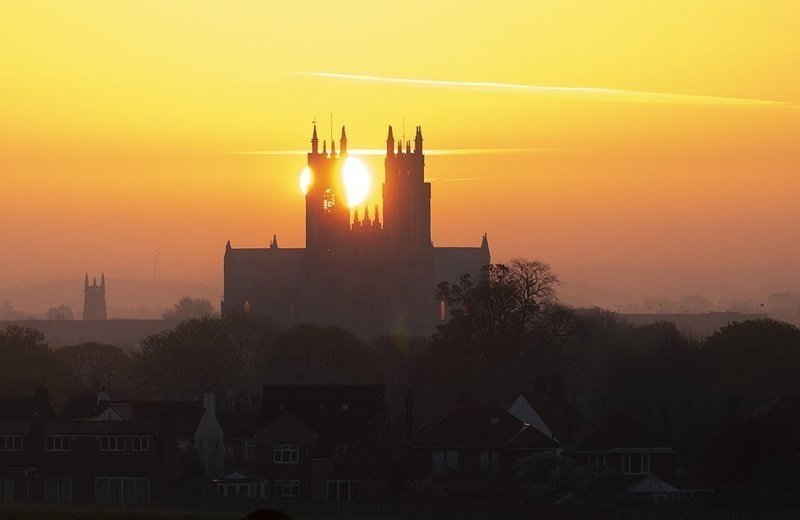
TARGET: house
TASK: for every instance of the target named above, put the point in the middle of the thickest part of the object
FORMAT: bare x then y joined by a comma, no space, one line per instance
21,422
548,412
629,446
192,425
472,449
317,442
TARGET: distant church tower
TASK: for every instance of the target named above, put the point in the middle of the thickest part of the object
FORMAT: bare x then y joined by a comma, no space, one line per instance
94,298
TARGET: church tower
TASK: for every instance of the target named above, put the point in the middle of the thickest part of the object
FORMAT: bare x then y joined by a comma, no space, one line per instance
406,196
327,213
94,298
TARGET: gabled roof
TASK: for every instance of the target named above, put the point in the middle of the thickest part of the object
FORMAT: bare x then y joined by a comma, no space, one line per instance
556,413
93,427
182,417
652,485
621,430
487,427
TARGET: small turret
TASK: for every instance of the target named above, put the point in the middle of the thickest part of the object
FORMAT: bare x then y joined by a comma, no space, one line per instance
418,141
408,146
377,220
389,142
356,220
333,148
86,281
314,141
274,243
103,280
324,148
343,142
399,147
366,216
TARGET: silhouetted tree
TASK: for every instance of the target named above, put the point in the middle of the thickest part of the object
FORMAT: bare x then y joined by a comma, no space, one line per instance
189,308
94,365
757,359
59,313
26,361
308,354
177,362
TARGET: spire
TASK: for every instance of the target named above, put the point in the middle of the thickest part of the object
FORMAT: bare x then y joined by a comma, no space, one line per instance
418,140
333,148
377,220
366,215
86,281
389,142
356,221
94,282
103,280
399,147
274,243
343,142
228,246
314,141
324,148
485,242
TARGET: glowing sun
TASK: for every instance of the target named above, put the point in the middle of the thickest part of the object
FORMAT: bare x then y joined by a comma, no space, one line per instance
355,177
305,180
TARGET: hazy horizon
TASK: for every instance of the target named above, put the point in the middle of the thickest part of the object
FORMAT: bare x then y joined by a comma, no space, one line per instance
649,159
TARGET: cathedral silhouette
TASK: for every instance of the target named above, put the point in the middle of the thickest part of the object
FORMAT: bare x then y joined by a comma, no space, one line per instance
359,272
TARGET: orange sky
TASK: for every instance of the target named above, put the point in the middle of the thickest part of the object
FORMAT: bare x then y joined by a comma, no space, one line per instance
665,160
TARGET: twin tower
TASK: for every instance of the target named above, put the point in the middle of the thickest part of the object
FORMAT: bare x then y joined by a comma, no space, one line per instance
370,272
406,225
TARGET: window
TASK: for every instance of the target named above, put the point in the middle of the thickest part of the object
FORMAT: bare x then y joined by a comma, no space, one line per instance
598,460
343,451
452,459
286,488
636,463
57,443
58,490
247,307
140,443
108,443
10,442
285,454
345,406
328,200
490,461
6,489
119,491
344,490
438,462
442,310
250,449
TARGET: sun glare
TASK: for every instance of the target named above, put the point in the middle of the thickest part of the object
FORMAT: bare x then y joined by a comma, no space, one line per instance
305,180
356,181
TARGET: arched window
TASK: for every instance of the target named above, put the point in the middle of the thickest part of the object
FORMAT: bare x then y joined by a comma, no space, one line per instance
442,310
247,307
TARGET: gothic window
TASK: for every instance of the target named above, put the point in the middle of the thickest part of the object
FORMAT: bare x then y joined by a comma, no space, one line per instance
442,310
247,306
328,200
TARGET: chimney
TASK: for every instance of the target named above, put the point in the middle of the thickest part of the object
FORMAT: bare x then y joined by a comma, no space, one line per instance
209,401
103,396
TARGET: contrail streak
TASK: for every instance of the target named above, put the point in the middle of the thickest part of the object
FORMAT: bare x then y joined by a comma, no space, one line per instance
597,93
